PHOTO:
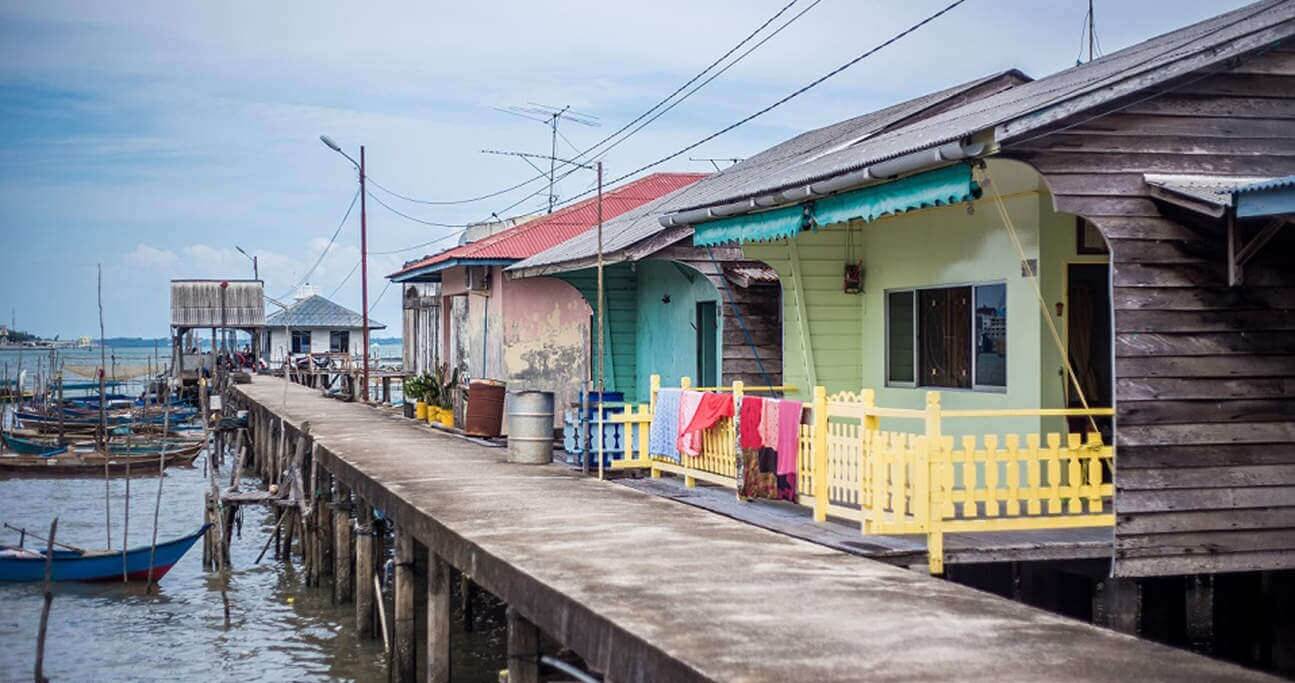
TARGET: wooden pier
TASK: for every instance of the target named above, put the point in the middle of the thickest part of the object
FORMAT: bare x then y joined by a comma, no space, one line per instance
643,589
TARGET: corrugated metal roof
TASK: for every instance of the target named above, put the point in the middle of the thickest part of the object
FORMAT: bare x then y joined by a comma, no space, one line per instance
1018,112
1216,190
1270,184
621,232
316,311
639,224
535,236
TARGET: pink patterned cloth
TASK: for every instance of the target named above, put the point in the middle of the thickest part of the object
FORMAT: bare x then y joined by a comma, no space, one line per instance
689,401
769,423
788,435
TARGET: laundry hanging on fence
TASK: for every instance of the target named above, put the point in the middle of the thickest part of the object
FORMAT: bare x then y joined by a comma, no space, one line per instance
789,417
749,436
758,478
711,409
663,434
689,401
769,423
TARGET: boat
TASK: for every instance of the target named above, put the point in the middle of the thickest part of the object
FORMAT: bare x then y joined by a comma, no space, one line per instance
37,444
75,463
28,564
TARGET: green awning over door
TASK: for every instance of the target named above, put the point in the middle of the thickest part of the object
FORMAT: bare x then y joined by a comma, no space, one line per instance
941,187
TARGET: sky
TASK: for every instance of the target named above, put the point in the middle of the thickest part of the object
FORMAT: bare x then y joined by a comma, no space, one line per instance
154,138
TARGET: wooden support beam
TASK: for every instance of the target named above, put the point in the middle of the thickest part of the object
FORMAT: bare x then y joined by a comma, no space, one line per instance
403,658
1117,605
438,619
364,605
802,318
1238,255
523,649
1199,603
343,549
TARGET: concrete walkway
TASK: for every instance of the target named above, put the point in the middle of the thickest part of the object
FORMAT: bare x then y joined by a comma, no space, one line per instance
648,590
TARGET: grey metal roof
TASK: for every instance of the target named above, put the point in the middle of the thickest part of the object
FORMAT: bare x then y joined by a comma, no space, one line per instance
1269,184
632,227
316,311
1016,113
1216,190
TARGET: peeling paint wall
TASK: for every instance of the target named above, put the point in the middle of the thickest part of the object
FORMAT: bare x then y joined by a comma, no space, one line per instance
545,338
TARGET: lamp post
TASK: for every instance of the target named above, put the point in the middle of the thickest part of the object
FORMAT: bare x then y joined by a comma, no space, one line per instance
364,258
256,274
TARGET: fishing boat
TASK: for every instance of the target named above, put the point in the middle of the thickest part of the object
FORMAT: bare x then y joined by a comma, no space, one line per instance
72,463
29,443
28,564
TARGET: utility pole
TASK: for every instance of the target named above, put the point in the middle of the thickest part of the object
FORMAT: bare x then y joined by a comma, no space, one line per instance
364,279
602,378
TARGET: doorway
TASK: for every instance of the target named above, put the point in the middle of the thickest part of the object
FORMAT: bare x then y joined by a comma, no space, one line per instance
1089,338
707,325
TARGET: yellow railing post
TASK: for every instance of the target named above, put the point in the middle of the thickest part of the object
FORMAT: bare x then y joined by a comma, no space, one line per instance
934,454
656,386
739,470
870,429
820,454
685,384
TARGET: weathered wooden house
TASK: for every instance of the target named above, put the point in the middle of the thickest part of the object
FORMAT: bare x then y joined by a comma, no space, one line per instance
671,308
315,325
202,306
534,333
1115,234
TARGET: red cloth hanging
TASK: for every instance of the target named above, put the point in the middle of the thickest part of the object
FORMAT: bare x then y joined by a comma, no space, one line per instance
752,408
712,409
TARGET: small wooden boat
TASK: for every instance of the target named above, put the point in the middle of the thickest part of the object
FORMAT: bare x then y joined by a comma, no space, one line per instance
37,444
28,564
75,463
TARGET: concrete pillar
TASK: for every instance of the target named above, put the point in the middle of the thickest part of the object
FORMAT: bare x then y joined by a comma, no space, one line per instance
523,649
438,619
1117,605
403,658
1199,603
343,579
364,597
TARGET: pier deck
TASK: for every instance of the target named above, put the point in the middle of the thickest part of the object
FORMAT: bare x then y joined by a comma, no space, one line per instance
649,590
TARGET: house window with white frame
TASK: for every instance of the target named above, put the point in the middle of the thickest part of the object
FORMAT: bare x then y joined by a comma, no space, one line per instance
947,337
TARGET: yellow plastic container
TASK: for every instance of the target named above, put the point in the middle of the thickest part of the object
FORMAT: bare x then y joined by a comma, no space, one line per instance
420,410
447,418
433,414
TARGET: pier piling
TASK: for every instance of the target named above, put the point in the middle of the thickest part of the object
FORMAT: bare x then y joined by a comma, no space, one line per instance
343,549
438,619
364,569
403,663
523,649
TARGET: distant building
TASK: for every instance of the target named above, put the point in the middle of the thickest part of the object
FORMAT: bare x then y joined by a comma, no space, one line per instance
313,324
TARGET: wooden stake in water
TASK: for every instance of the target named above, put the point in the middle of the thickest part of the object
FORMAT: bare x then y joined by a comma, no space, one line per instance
103,419
49,601
157,503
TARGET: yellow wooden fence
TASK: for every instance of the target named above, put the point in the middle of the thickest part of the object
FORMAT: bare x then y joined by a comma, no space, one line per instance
909,478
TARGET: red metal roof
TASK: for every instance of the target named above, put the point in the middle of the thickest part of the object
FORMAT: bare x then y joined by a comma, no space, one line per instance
534,236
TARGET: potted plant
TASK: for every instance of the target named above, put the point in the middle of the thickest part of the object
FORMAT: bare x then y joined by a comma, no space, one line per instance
446,382
431,395
416,390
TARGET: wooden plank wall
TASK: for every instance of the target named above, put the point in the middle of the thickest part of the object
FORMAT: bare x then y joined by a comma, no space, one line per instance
1205,373
621,291
759,307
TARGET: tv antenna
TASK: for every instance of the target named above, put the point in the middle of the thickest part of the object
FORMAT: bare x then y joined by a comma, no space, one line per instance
714,161
550,116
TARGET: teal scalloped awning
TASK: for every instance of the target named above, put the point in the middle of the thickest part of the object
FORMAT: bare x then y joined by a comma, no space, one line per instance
765,226
941,187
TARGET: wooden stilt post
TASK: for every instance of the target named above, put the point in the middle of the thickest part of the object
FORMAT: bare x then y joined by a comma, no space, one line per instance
1117,605
364,569
438,619
403,663
467,593
523,649
1200,613
324,523
343,583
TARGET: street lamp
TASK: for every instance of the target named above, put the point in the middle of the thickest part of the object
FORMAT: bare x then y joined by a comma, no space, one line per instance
364,258
256,274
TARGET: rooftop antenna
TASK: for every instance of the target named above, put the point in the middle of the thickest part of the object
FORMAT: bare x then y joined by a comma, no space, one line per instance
714,161
1090,28
550,116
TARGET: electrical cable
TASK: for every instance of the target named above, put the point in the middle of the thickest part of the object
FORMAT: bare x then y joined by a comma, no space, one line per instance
609,137
305,278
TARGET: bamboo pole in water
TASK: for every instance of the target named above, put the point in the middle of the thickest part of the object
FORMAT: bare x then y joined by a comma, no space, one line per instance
49,601
103,417
157,502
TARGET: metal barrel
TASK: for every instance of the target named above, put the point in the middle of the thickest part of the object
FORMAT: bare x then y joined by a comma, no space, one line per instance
530,427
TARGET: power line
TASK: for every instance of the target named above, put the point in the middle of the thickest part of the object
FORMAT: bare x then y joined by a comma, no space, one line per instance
415,219
380,295
346,279
796,93
603,141
324,253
